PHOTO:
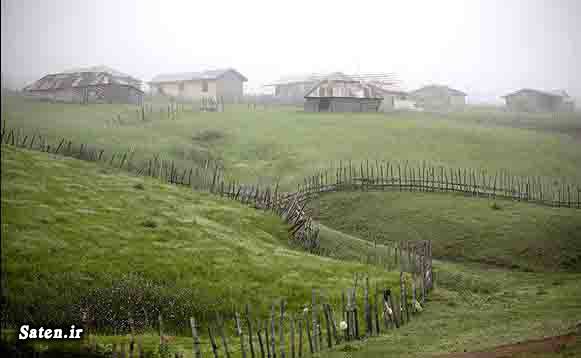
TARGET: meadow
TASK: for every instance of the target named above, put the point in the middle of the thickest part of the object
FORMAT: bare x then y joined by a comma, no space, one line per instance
506,271
509,234
74,232
283,143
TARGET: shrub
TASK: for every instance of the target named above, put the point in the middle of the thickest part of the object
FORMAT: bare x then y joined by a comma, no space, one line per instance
150,223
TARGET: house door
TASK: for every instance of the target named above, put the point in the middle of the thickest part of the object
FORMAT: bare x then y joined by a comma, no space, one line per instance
324,104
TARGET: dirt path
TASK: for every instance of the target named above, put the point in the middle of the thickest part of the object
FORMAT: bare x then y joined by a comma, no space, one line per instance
550,344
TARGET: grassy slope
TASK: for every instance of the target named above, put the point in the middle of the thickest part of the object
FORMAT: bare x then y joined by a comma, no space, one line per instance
519,235
68,226
485,308
290,144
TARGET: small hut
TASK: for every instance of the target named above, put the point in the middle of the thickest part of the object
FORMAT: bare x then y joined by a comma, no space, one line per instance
438,97
341,93
98,84
532,100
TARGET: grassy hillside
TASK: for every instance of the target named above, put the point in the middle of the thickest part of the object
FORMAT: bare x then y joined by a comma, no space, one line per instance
477,307
280,142
75,232
516,235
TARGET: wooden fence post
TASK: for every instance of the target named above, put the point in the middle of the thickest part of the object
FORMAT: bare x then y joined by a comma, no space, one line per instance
249,325
309,335
240,334
281,330
196,338
300,349
222,334
328,326
315,323
367,308
272,332
292,336
213,342
260,343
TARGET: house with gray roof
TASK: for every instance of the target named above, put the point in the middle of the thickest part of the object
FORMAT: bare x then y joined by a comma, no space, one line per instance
338,92
97,84
223,84
438,97
533,100
292,89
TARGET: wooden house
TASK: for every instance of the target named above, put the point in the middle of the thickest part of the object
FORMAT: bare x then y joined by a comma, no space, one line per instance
532,100
437,97
292,89
341,93
225,85
98,84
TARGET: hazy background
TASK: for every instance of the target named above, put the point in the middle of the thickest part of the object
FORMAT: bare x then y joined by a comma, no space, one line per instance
485,48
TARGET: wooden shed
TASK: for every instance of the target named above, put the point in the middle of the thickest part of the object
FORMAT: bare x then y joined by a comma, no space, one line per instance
98,84
532,100
224,84
341,93
438,97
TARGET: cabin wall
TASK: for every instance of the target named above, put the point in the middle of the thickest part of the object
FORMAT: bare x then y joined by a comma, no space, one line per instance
191,90
230,88
533,102
457,101
58,95
92,94
438,99
311,105
119,94
344,105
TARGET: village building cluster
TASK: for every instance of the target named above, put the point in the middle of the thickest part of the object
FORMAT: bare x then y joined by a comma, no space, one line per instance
333,92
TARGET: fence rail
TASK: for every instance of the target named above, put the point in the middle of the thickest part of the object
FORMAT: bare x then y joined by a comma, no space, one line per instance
207,176
362,312
380,176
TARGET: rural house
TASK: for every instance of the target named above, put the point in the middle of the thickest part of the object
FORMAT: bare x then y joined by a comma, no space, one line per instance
394,99
531,100
436,97
341,93
98,84
225,85
291,90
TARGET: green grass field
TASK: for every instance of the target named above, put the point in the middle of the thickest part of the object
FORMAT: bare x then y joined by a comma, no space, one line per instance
72,228
516,235
483,308
261,146
69,227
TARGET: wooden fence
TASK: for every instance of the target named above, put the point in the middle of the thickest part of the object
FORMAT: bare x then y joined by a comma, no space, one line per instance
172,110
206,176
378,176
363,311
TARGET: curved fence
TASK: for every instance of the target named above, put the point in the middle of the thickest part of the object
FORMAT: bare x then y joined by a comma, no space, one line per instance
379,176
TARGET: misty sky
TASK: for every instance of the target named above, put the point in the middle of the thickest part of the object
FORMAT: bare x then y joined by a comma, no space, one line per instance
483,47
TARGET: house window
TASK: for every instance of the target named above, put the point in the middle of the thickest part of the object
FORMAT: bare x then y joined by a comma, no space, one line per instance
181,86
321,92
204,86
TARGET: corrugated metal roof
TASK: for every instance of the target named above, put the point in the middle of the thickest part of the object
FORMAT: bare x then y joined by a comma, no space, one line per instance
450,91
314,77
295,79
355,88
97,69
553,93
83,77
193,76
